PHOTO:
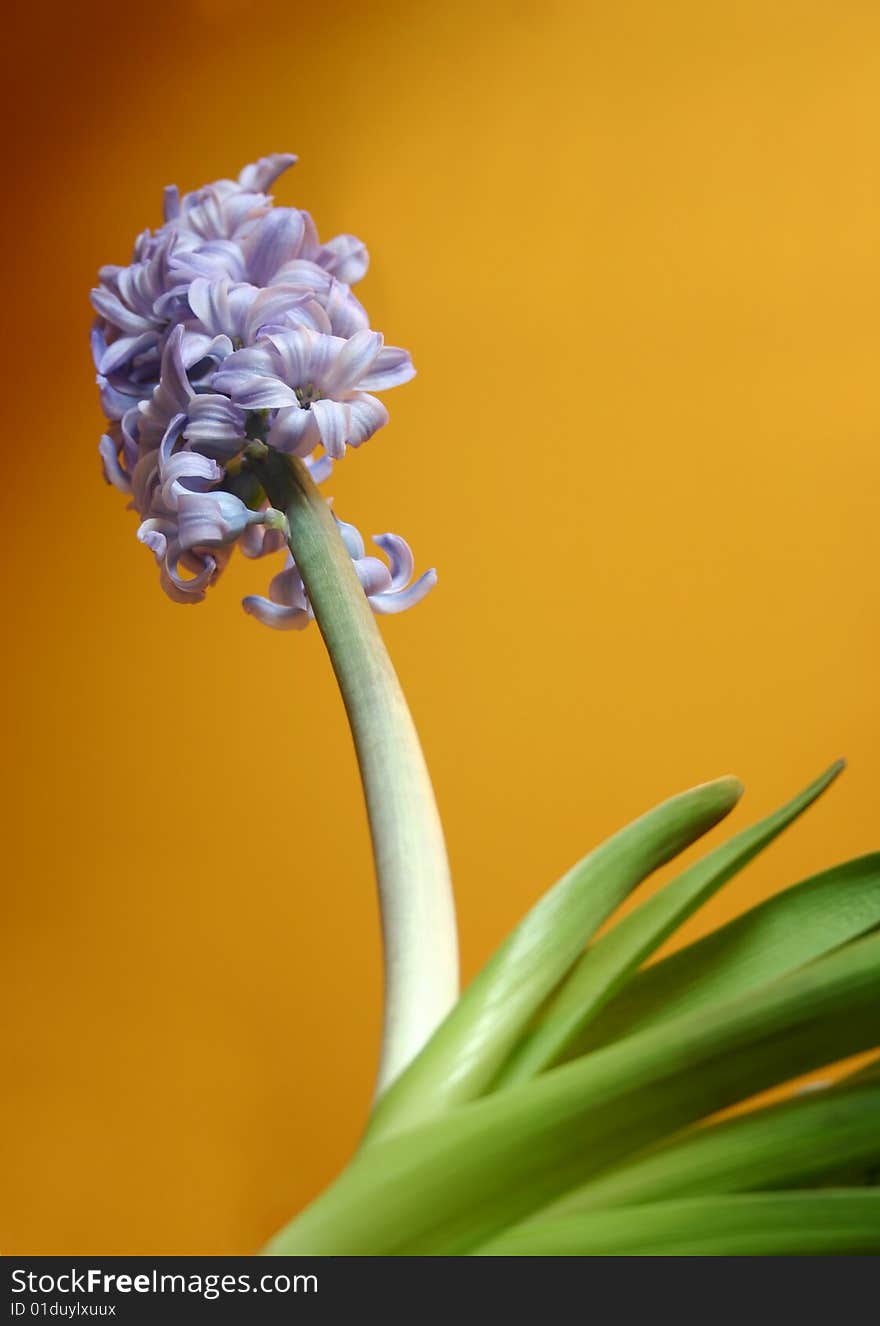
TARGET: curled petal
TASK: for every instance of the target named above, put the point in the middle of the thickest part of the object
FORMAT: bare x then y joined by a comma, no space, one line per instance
276,304
391,368
113,471
116,403
170,438
154,534
209,301
253,361
295,431
399,600
172,304
255,393
287,587
275,240
171,397
303,272
258,541
311,248
223,211
319,467
187,589
287,607
400,558
128,434
113,309
367,415
179,590
346,315
212,518
185,474
214,425
307,312
210,259
334,425
351,537
200,347
302,356
98,341
144,480
353,362
276,615
258,377
346,257
121,351
171,203
374,576
260,175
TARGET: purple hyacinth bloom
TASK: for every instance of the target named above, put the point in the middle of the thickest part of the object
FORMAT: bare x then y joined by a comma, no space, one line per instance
229,228
232,323
318,384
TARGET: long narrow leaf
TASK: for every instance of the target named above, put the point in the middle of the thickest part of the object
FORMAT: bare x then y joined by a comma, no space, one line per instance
467,1050
450,1184
778,936
768,1224
801,1142
605,966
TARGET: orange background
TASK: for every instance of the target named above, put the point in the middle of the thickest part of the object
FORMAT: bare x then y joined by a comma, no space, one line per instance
635,250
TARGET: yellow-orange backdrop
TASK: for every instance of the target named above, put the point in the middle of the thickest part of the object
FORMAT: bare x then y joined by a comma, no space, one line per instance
635,250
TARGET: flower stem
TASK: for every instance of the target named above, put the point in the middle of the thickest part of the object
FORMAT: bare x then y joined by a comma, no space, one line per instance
412,871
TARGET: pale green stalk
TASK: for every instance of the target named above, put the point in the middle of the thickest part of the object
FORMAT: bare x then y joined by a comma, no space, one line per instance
415,894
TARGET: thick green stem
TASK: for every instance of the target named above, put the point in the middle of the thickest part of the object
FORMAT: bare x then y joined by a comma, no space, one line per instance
415,894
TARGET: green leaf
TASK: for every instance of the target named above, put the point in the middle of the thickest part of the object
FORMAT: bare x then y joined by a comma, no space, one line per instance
778,936
450,1184
605,966
767,1224
467,1050
800,1142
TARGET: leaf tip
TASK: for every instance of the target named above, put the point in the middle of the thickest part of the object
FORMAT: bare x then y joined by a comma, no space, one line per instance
730,787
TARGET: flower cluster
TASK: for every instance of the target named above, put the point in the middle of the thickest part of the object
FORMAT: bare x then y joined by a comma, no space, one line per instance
233,323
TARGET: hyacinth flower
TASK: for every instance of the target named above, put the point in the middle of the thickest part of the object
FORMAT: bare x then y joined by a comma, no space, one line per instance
318,385
568,1102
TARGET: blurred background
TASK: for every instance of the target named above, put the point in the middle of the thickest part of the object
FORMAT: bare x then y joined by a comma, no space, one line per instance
635,251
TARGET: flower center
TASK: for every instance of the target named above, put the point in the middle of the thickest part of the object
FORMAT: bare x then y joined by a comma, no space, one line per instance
256,425
307,395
